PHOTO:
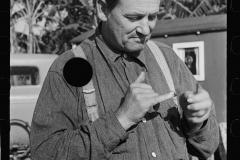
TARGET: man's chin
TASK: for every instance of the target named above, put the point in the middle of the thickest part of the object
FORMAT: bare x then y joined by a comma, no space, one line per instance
134,48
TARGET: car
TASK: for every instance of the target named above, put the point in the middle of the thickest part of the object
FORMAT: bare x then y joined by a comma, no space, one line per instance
27,74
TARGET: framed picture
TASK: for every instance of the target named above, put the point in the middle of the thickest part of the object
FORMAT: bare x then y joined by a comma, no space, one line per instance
192,54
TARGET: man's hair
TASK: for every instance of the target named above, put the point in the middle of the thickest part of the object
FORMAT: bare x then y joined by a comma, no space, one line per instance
111,3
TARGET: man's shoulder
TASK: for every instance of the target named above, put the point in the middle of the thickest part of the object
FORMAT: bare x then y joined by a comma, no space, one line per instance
60,62
166,50
160,44
169,54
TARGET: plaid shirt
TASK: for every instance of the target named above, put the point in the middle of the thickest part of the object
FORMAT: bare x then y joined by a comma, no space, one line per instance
61,130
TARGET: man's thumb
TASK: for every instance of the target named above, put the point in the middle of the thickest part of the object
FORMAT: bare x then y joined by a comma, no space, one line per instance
140,78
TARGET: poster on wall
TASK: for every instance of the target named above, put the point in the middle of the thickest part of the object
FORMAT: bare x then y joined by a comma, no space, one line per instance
192,54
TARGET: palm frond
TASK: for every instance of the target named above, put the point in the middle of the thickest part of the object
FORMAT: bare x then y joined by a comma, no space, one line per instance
205,7
175,8
180,10
191,8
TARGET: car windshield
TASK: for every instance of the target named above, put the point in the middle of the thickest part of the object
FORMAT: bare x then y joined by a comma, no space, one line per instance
24,75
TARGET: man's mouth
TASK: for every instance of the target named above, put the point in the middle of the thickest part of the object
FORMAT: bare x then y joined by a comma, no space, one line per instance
142,39
139,37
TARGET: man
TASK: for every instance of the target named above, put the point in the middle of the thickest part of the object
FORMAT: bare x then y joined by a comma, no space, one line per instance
129,86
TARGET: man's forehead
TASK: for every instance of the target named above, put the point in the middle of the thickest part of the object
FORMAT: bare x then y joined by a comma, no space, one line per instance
139,5
137,1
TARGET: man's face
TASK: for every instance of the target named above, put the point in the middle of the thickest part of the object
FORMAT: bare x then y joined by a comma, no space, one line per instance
129,25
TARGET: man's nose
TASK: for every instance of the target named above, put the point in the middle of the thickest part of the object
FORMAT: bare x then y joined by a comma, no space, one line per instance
144,28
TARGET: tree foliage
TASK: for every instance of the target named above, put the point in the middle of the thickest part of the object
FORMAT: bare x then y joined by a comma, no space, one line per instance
172,9
79,19
66,19
63,20
27,14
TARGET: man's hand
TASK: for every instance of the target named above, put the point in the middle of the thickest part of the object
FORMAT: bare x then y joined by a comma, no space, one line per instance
196,107
138,100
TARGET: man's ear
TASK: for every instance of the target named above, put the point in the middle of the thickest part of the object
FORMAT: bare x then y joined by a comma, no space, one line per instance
101,10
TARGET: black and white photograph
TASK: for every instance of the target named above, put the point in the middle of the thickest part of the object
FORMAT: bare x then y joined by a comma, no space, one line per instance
118,79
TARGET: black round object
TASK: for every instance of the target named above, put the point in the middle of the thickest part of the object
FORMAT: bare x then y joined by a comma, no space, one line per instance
77,72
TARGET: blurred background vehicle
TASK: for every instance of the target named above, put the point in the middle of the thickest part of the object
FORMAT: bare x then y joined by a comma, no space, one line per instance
27,73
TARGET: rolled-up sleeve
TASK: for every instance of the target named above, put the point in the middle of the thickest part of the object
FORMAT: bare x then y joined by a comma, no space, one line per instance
57,133
203,140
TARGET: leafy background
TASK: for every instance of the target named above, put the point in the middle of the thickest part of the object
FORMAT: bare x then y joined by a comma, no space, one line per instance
47,26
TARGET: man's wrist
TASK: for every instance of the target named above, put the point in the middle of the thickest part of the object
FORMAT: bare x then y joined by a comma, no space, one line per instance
192,127
195,126
124,121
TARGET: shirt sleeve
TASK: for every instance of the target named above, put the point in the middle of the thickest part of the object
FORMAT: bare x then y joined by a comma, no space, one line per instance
58,133
202,140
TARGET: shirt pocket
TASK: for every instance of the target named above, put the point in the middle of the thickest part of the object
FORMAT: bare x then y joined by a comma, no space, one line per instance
123,152
171,117
121,148
128,149
175,137
172,124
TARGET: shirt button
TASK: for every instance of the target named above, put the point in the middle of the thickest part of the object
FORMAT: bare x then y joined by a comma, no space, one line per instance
125,56
154,154
144,120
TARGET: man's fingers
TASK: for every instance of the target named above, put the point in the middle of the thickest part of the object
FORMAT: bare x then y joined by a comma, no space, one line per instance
188,94
194,107
148,96
195,119
199,106
136,91
200,96
197,113
141,85
164,97
140,78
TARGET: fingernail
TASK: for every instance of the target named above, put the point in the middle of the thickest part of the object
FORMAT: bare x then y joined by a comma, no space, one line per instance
171,93
190,95
190,100
188,107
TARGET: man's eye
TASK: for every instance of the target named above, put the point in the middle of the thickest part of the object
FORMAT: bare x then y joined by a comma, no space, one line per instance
151,18
134,18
